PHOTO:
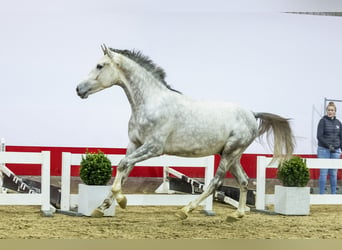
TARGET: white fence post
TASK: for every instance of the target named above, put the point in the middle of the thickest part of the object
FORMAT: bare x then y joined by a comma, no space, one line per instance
42,198
2,145
65,179
2,149
69,200
260,183
45,180
262,163
209,174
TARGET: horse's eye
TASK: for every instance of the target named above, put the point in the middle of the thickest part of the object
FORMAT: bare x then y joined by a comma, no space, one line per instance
99,66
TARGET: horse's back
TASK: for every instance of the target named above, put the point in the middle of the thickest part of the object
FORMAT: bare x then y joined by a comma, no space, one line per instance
204,128
222,116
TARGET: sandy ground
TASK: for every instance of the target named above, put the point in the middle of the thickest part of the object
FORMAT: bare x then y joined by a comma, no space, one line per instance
26,222
158,222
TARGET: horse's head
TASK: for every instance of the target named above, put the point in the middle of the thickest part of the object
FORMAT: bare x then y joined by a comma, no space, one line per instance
104,75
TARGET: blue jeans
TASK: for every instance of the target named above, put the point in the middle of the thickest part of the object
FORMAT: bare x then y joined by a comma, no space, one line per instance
325,153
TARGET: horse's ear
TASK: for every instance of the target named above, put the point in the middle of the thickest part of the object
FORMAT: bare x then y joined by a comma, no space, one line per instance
106,51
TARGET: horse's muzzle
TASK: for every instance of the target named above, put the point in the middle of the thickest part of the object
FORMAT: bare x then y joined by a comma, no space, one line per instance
82,90
80,94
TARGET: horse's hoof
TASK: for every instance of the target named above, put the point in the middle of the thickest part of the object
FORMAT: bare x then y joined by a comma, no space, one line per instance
123,202
234,217
181,214
231,218
97,213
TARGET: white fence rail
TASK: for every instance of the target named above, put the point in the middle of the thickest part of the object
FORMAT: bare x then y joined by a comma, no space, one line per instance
69,200
42,198
263,199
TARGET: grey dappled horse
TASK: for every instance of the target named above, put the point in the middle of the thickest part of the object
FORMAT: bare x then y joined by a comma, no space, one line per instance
163,121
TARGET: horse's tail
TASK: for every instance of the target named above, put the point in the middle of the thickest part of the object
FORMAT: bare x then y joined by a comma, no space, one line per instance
284,141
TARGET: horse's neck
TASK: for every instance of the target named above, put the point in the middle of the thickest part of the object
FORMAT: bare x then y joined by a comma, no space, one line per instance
140,86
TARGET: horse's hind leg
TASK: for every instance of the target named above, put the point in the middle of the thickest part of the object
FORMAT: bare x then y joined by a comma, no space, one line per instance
213,185
237,171
229,158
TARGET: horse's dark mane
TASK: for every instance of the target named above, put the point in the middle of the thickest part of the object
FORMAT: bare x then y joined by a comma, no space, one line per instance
146,63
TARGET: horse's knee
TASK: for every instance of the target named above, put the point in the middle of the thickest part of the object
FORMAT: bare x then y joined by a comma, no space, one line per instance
123,165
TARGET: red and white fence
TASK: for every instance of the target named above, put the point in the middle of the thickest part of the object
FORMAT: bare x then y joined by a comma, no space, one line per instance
263,199
69,200
42,198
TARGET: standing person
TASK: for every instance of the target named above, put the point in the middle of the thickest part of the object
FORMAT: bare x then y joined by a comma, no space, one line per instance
329,136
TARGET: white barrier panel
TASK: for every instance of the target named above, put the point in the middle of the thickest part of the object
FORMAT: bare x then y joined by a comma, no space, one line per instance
68,200
42,198
263,199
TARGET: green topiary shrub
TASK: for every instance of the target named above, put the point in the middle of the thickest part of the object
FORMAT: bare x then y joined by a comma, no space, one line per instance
96,169
294,172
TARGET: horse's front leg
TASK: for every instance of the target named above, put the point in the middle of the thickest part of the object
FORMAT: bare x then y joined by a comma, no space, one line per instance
115,192
124,168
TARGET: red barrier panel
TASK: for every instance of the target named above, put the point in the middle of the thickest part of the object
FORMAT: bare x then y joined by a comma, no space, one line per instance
248,161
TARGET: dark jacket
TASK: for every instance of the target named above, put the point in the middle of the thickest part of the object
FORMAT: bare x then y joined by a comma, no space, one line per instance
329,132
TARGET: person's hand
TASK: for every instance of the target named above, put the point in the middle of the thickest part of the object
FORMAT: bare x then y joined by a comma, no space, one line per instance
332,149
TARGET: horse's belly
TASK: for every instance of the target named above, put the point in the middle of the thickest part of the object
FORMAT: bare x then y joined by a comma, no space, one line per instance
194,147
202,141
192,153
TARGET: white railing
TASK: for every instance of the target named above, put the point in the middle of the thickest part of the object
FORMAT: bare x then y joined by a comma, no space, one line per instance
69,200
263,199
2,165
42,198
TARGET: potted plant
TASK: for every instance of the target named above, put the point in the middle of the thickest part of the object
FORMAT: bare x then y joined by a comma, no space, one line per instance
95,172
293,198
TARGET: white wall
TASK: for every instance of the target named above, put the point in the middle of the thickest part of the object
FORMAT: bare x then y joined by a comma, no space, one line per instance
264,60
